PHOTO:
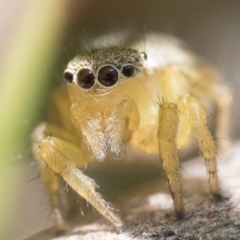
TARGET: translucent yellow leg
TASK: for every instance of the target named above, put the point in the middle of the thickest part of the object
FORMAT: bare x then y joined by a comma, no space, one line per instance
223,120
57,155
91,128
211,84
198,121
167,132
124,119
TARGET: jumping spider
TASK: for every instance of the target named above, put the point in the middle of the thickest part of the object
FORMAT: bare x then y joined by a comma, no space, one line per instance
150,99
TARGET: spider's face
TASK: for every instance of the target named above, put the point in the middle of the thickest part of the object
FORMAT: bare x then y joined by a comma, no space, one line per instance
102,70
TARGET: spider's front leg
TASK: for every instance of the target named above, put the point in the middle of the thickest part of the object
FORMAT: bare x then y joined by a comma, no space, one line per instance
167,134
119,126
59,156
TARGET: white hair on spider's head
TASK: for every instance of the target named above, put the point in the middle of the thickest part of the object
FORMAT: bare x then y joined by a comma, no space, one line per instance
160,50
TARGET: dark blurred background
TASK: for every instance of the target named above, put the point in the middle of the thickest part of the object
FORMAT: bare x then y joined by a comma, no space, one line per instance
210,28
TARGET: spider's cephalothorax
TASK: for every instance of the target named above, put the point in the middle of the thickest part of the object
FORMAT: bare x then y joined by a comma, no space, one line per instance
111,100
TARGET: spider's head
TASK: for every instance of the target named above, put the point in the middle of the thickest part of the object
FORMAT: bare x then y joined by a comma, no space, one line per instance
101,70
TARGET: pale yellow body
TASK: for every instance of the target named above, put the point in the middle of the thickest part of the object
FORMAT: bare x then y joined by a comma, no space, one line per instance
154,111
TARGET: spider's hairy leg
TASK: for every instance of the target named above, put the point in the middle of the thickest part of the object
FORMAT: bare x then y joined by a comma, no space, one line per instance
198,121
223,118
184,129
49,177
211,84
60,156
51,181
91,129
167,133
124,119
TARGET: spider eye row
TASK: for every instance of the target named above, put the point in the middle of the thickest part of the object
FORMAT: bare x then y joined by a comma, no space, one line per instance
107,76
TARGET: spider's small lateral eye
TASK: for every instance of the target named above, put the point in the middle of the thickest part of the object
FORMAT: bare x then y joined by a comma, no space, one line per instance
68,76
128,71
144,55
85,78
107,76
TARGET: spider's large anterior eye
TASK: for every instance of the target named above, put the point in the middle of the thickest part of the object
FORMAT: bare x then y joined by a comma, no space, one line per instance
107,76
128,71
85,78
68,76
